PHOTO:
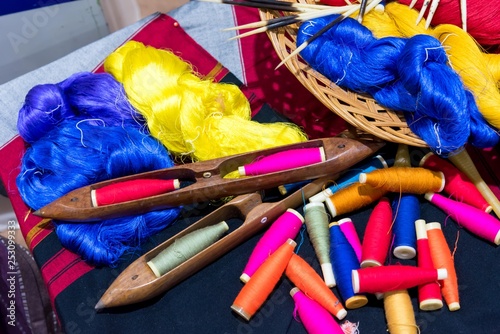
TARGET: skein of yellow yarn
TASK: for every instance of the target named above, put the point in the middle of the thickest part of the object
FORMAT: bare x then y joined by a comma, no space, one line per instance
193,117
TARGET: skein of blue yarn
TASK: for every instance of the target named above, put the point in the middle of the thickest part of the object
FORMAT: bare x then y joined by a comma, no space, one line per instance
405,74
81,131
83,94
77,153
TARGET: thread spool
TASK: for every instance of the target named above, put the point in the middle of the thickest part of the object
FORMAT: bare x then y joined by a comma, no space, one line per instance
415,180
313,316
399,313
457,184
291,187
352,198
472,219
429,294
284,160
286,226
255,292
347,227
442,258
406,210
402,156
463,162
393,277
186,247
344,261
377,238
350,177
307,280
316,220
132,190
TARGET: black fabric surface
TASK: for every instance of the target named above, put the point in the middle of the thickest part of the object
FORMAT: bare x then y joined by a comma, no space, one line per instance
201,304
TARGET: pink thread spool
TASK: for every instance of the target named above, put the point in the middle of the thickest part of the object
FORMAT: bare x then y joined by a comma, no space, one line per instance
377,238
132,190
457,184
472,219
393,277
429,294
347,227
287,226
315,318
283,161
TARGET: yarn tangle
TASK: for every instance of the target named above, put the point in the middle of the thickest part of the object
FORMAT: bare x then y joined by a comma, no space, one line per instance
405,74
194,118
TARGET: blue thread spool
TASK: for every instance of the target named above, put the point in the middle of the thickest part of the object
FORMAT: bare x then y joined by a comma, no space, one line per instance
344,261
406,210
350,177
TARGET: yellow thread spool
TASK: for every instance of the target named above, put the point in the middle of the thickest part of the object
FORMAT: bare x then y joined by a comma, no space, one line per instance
399,313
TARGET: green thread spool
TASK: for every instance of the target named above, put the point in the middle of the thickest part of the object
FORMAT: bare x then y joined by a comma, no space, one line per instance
317,221
185,247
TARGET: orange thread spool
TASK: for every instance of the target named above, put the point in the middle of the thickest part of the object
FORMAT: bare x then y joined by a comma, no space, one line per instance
255,292
415,180
352,198
309,282
442,258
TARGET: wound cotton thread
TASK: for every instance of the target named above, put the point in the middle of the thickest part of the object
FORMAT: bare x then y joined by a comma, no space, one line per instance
185,247
377,237
316,220
472,219
284,160
307,280
347,227
285,227
457,184
415,180
429,294
406,210
255,292
313,316
442,258
393,277
344,262
352,198
399,313
132,190
350,177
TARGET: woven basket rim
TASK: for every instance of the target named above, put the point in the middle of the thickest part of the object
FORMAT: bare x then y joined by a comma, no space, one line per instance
359,110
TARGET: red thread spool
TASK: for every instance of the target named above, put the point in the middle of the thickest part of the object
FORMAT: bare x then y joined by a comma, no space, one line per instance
472,219
429,294
262,283
457,184
284,161
377,238
132,190
309,281
315,318
393,277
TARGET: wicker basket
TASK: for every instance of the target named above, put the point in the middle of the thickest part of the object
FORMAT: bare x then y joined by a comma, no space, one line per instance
361,111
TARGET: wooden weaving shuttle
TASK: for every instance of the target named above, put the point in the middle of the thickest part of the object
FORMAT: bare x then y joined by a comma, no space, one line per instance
138,283
208,182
